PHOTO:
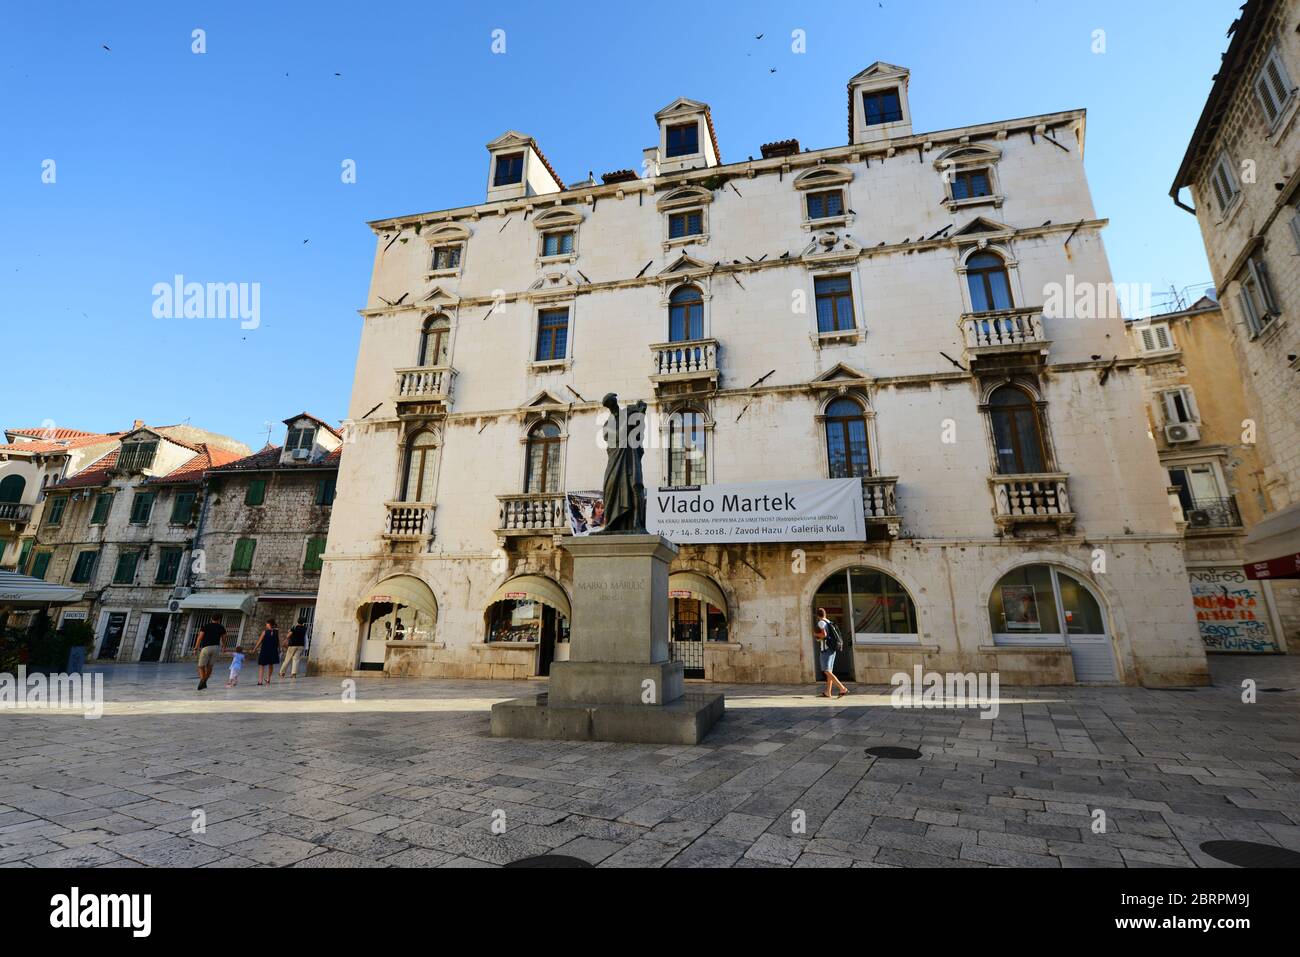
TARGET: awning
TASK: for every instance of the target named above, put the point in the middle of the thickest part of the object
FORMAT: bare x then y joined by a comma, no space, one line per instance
406,590
535,588
219,601
287,596
697,586
1273,545
23,591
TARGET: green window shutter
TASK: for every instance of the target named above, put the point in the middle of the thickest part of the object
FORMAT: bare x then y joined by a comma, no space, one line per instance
85,567
40,564
256,493
243,560
325,491
183,509
103,502
24,552
315,548
141,508
169,563
57,505
126,566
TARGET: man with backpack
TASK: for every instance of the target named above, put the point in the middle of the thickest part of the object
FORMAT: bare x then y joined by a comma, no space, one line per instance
828,643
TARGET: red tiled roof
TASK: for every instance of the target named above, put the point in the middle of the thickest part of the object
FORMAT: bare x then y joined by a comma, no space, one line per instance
316,419
779,148
268,459
547,163
192,471
59,442
618,176
52,434
96,474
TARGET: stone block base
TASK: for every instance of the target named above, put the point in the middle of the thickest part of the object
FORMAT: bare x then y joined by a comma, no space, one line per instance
605,682
685,721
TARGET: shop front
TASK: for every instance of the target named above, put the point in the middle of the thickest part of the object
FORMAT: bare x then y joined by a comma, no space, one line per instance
869,607
698,614
530,612
231,609
399,612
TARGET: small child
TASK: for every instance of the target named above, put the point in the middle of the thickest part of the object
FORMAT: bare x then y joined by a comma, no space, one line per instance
236,663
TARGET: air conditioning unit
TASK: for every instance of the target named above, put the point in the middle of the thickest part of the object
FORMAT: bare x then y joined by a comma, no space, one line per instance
301,454
1199,518
182,591
173,606
1182,432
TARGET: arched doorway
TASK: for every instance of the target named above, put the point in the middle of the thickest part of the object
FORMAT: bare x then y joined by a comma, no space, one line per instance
401,608
697,612
1044,605
865,604
532,610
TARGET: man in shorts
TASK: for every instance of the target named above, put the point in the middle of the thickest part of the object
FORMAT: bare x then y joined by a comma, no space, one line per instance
211,643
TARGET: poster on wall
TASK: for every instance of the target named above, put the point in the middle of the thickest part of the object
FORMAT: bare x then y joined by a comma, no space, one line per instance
1020,606
1231,613
586,512
797,510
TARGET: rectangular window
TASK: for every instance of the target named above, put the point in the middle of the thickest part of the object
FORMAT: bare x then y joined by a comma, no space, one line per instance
23,552
683,139
169,566
1179,405
300,438
1155,338
141,508
124,574
834,295
183,508
1256,297
315,549
243,559
1273,88
325,491
136,456
510,170
558,243
882,106
103,502
40,564
446,257
84,570
690,223
552,334
255,494
971,184
1224,183
825,205
57,507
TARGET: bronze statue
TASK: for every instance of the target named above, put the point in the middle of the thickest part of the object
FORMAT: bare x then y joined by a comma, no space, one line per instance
624,490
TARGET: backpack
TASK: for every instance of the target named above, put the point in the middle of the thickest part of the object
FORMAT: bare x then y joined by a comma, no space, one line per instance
833,640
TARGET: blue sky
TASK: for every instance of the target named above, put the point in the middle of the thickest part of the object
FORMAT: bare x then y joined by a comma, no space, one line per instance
225,166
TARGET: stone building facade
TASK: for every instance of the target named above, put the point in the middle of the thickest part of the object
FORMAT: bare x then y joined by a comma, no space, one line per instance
897,310
1197,410
1242,169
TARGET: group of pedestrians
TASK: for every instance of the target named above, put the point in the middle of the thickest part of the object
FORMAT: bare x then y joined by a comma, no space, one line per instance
269,649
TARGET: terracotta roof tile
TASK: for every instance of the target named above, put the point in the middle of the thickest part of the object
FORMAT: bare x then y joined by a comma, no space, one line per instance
192,471
96,474
779,148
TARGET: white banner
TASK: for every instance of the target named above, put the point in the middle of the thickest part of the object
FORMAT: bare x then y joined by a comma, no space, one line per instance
797,510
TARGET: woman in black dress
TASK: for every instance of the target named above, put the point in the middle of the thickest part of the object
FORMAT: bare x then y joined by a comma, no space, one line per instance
268,652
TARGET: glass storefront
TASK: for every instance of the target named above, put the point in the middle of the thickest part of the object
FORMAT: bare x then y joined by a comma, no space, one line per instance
389,621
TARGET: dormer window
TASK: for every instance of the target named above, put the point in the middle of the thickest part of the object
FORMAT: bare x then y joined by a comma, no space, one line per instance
300,437
136,456
558,243
688,223
881,106
827,204
509,169
446,257
683,140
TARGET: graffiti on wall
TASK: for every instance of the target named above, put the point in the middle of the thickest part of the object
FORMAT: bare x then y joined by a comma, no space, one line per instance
1230,611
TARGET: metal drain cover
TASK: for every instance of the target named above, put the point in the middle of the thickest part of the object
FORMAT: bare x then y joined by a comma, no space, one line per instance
1250,854
896,753
550,860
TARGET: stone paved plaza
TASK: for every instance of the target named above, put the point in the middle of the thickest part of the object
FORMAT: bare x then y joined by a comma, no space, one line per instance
407,775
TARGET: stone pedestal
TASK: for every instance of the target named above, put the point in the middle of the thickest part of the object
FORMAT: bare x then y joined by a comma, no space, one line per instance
618,684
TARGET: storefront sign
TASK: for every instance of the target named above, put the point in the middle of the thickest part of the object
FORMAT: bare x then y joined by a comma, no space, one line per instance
811,510
1230,611
1285,567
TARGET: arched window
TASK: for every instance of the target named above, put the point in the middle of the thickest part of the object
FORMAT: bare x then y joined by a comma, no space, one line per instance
687,454
543,466
846,440
1039,601
433,341
685,314
420,452
869,604
986,275
12,488
1017,432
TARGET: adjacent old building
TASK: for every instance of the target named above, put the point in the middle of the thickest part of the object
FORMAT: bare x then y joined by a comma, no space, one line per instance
1199,418
898,311
1242,169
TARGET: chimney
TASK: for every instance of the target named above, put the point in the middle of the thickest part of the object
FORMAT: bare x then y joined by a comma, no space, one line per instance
138,424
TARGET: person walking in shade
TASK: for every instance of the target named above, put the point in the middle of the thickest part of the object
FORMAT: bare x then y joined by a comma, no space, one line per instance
268,652
828,643
293,652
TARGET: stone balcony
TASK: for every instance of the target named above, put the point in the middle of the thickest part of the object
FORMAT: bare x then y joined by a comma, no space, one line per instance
1040,499
533,513
1006,337
690,363
15,512
424,389
408,521
880,503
